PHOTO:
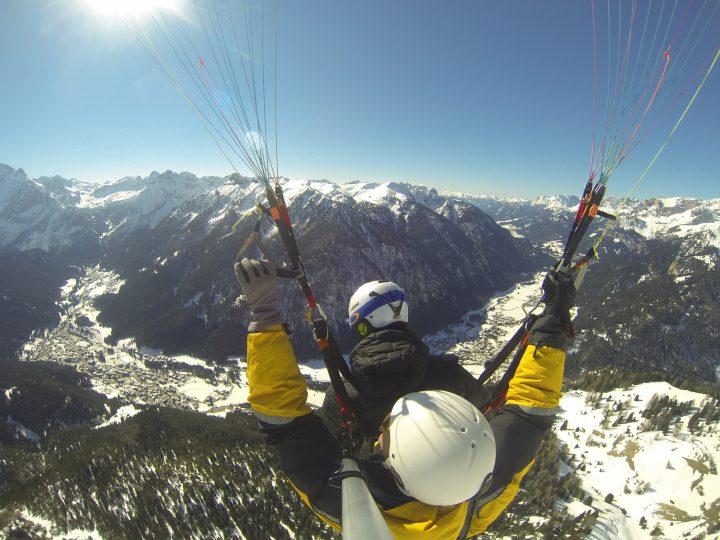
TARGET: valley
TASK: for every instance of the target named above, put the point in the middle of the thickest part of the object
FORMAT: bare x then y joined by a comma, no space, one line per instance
167,386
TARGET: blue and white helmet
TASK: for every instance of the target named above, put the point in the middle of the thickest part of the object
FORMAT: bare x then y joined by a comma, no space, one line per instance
380,303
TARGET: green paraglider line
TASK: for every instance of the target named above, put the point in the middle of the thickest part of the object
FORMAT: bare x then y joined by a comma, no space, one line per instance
662,147
623,154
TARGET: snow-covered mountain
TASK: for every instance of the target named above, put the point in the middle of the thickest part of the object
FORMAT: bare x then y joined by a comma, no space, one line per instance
672,216
446,265
659,218
173,238
632,465
650,299
49,212
42,214
135,202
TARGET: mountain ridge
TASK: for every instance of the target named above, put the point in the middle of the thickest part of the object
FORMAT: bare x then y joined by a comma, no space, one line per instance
173,236
163,462
174,251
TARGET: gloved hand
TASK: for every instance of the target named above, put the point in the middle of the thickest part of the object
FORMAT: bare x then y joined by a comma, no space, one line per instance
259,284
559,297
553,328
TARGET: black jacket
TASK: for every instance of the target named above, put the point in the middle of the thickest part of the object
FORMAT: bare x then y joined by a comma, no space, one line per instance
389,364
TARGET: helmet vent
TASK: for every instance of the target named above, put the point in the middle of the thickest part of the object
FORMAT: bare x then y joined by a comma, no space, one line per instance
463,430
472,444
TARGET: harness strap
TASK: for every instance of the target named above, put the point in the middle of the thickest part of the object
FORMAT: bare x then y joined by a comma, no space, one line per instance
331,354
492,366
588,209
474,505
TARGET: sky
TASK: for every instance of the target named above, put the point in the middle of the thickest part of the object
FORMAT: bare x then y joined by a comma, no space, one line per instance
492,98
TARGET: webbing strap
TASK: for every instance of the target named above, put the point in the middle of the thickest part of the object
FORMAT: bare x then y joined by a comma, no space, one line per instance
331,354
497,398
589,211
281,217
492,366
588,208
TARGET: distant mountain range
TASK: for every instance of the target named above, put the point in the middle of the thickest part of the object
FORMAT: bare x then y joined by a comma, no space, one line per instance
103,436
650,302
171,237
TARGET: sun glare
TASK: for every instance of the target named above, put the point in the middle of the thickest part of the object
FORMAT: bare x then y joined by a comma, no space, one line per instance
129,8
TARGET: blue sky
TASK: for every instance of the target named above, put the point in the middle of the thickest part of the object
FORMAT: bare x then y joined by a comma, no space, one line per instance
484,97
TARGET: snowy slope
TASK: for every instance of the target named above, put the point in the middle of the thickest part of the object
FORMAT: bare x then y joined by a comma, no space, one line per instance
135,202
670,480
673,216
658,218
35,216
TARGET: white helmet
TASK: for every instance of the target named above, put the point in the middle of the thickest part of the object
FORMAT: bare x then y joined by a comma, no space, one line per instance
442,449
378,302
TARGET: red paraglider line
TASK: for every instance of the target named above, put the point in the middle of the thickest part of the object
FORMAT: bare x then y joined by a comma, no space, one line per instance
621,155
595,84
662,77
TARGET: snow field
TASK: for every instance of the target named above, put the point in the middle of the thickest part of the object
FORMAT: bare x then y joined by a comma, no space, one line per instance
650,475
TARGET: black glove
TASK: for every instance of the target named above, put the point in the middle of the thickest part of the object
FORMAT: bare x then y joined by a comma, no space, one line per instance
559,293
259,285
553,328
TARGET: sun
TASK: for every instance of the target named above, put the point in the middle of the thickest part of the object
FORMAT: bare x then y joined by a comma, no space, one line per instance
129,8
